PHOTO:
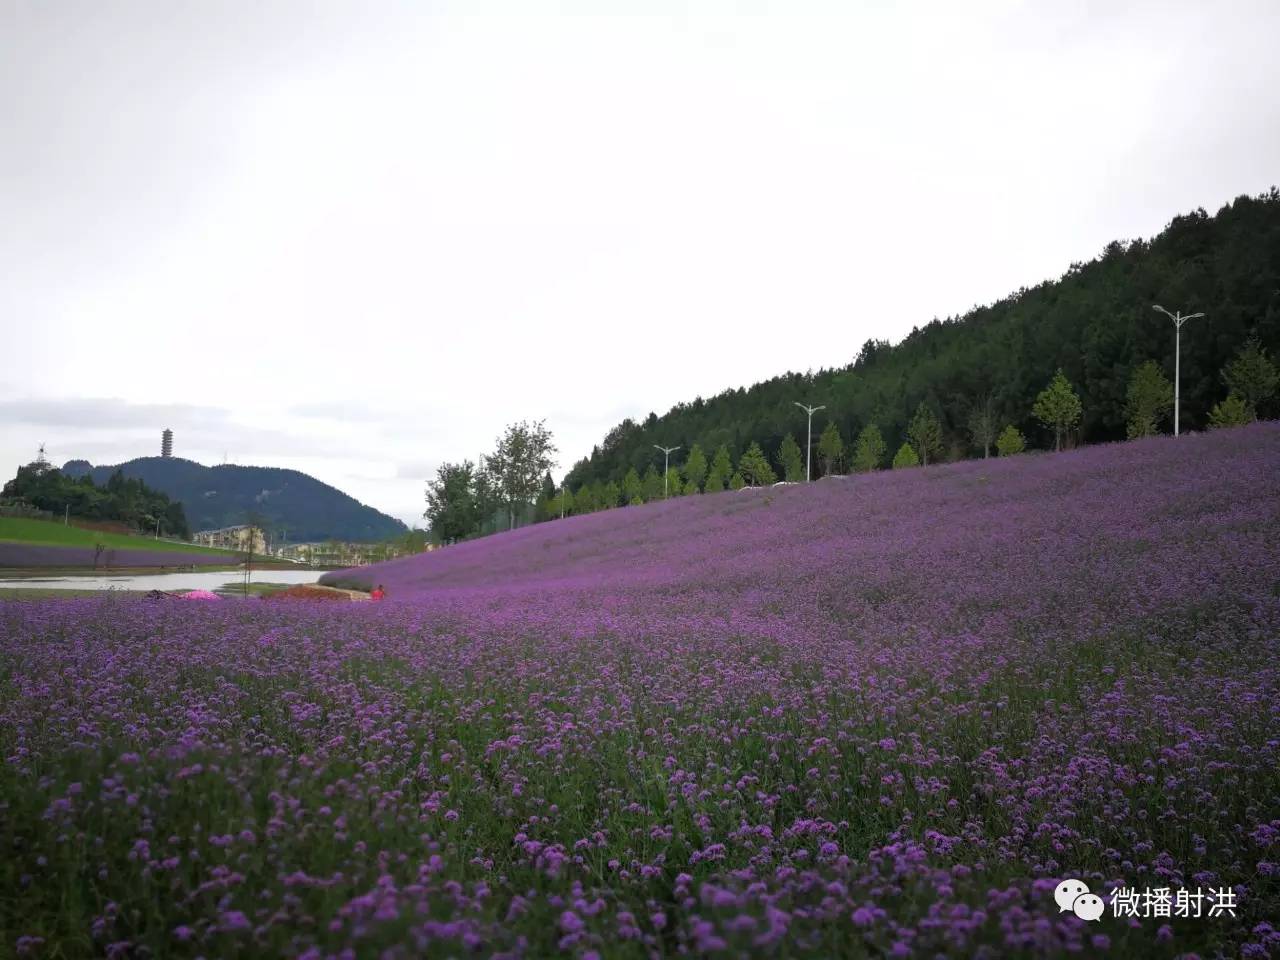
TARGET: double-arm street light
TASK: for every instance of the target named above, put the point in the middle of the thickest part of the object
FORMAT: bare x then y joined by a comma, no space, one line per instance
666,465
808,447
1178,320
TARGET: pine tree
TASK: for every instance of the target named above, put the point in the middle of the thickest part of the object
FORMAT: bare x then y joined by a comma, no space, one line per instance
1251,376
831,449
1010,441
675,485
736,482
869,453
925,433
1058,407
610,493
721,470
695,470
792,460
754,467
546,506
632,488
1231,412
1149,398
905,457
651,486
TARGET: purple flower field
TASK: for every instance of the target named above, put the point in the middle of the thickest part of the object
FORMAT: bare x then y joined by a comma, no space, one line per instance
875,716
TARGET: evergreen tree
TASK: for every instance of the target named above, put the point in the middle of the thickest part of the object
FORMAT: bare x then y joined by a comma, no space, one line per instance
651,486
1148,399
831,449
1010,441
1096,320
566,502
982,424
632,488
720,472
925,433
675,486
791,459
547,506
1231,412
869,453
695,470
1058,407
1251,376
905,457
754,467
736,482
609,495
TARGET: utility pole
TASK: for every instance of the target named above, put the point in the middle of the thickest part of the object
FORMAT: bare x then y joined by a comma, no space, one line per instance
66,516
1178,320
808,447
666,465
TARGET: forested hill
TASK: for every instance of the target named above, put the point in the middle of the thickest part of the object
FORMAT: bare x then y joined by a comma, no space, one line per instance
286,502
1096,323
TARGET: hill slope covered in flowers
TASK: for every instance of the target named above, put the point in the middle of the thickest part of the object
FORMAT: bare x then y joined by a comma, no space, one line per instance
876,716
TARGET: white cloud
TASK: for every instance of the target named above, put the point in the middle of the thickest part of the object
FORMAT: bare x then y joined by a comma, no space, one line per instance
366,240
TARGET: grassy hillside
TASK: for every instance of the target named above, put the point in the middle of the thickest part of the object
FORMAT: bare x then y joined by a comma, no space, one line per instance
52,533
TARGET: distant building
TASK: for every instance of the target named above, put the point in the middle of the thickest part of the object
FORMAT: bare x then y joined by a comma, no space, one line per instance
166,443
241,537
335,553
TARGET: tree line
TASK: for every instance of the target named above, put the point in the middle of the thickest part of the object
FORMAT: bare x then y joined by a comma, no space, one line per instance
1250,378
987,368
469,499
122,499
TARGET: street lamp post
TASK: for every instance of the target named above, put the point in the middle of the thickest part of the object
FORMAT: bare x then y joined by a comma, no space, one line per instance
666,465
808,447
1178,320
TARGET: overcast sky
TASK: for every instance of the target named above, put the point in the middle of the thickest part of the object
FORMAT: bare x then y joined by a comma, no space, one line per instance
357,239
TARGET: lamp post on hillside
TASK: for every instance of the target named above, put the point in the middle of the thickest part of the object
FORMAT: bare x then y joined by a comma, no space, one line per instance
808,447
666,465
1178,320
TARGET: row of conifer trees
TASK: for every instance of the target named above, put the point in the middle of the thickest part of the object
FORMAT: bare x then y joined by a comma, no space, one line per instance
1251,379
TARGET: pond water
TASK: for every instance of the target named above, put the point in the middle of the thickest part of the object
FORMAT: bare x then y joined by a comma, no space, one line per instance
159,581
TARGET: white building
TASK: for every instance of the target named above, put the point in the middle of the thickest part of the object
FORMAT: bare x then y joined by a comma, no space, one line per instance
243,538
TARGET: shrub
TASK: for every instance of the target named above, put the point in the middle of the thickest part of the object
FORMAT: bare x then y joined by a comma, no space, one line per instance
1010,441
905,457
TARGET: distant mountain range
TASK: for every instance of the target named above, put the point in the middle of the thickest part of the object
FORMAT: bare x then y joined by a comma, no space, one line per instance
287,502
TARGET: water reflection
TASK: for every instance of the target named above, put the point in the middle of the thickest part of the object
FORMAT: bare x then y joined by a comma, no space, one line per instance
159,581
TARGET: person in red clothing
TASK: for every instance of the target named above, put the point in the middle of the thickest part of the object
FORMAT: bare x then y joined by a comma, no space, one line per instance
378,592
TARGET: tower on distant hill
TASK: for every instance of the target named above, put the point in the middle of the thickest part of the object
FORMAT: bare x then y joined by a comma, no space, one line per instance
166,443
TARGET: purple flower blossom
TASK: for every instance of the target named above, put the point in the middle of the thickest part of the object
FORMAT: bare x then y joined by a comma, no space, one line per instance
901,706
